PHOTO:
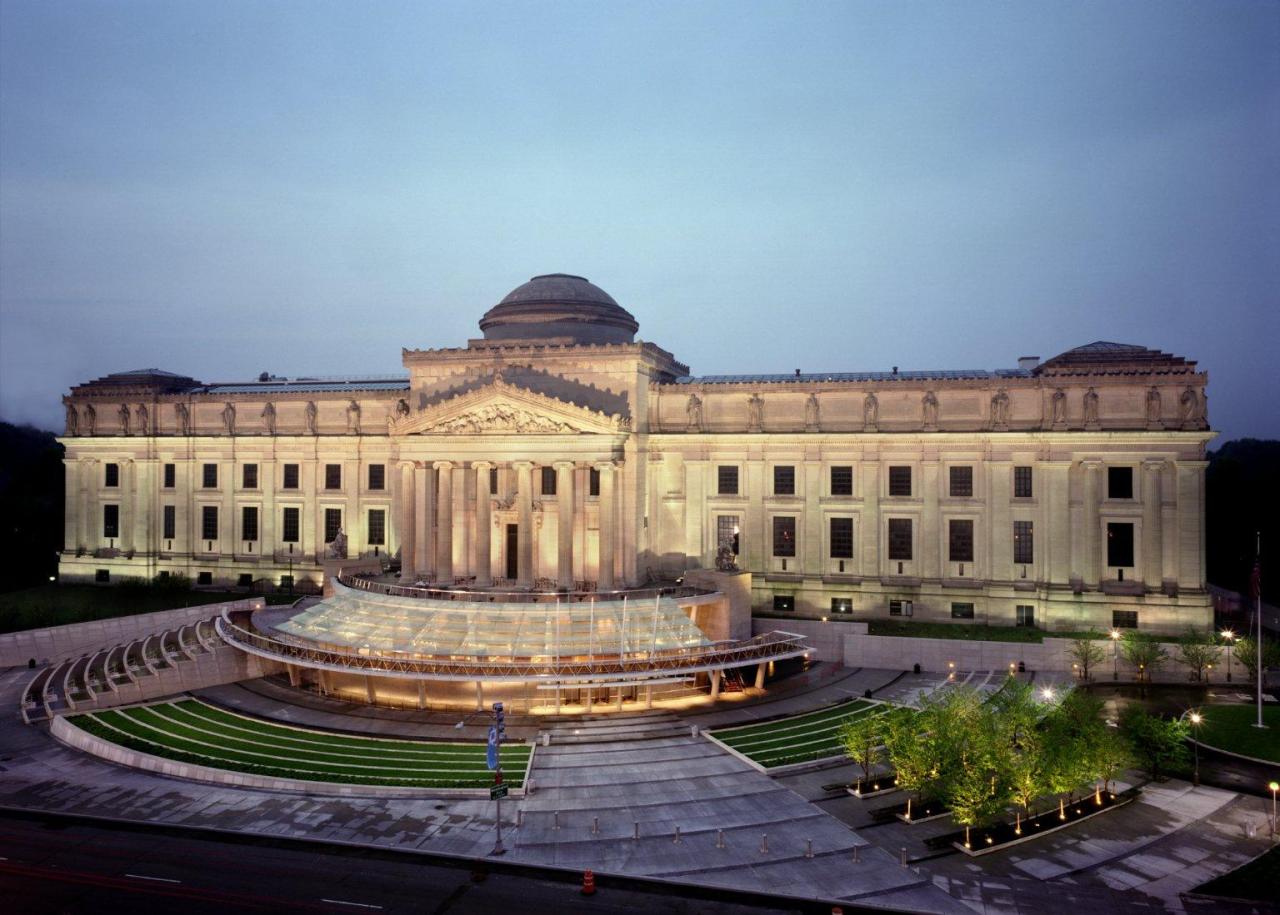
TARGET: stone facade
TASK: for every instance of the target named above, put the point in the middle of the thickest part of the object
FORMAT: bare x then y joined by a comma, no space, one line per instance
530,460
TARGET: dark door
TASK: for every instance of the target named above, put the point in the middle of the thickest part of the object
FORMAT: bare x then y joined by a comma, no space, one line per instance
513,551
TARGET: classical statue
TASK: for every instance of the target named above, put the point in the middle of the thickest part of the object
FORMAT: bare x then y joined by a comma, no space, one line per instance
1091,407
1059,407
1153,406
144,419
124,419
402,407
269,418
929,410
755,413
693,409
311,417
870,411
1189,406
1000,409
229,418
73,420
338,548
812,414
353,418
90,419
184,418
726,561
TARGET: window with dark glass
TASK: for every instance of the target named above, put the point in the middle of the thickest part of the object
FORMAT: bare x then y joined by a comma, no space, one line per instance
209,522
102,576
899,539
1023,544
961,611
900,608
332,476
170,476
841,481
377,476
204,578
245,580
841,538
111,521
209,476
784,603
842,605
784,536
1119,544
593,482
1119,482
1124,619
377,527
727,478
961,482
170,527
960,538
727,531
899,481
332,524
112,475
784,481
493,482
249,522
548,481
1022,483
1025,615
290,476
290,526
250,476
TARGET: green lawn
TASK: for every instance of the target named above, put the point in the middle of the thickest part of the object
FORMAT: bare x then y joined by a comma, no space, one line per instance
1231,728
56,605
1258,879
191,731
800,738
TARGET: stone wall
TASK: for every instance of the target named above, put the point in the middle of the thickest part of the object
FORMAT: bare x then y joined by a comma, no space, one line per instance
225,664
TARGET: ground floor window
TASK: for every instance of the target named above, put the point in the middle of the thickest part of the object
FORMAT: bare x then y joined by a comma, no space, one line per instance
332,524
842,605
784,603
1124,619
291,526
377,527
245,580
204,578
900,608
209,522
961,611
102,575
111,521
727,530
286,581
784,536
1120,545
249,522
170,522
1025,615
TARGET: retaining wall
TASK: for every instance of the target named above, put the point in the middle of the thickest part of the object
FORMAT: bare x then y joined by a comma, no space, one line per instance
225,664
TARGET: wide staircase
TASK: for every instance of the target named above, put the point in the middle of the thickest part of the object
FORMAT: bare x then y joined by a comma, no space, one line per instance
579,729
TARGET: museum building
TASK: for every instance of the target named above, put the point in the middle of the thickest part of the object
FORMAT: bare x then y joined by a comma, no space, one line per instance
558,454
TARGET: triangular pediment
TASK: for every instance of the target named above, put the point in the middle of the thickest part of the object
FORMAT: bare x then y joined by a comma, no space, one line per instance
503,408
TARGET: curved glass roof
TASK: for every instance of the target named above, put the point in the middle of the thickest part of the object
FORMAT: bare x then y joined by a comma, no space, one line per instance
380,624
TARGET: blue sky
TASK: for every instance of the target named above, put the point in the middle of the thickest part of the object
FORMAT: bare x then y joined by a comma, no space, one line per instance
220,189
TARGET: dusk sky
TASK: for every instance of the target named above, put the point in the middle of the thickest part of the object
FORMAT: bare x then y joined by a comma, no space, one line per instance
221,189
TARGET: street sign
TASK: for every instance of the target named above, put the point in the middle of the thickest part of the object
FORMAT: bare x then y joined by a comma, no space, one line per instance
497,791
491,751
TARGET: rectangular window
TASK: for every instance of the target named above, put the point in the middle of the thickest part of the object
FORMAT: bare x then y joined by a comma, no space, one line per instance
900,539
843,605
960,537
1124,619
784,536
899,481
727,478
332,476
1022,483
1024,615
841,481
784,481
961,611
170,522
961,482
841,538
245,580
102,576
286,581
493,482
249,522
290,526
250,476
170,476
900,608
1120,545
784,603
209,476
377,527
111,521
1119,482
377,476
290,476
204,578
593,482
112,479
332,524
1023,545
548,481
727,531
209,522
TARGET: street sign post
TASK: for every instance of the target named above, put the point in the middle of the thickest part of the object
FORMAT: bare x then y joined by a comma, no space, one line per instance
498,790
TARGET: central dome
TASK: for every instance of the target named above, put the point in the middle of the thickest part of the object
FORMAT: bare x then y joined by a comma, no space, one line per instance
559,306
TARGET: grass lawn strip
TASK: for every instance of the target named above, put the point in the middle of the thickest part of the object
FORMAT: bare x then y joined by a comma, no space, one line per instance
112,734
795,729
786,734
193,744
232,741
794,720
282,737
1231,728
827,739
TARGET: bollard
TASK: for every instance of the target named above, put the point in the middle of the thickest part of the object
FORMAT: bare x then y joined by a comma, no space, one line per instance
677,840
555,820
836,910
588,883
855,854
903,856
719,838
546,740
636,833
595,826
808,848
764,843
519,818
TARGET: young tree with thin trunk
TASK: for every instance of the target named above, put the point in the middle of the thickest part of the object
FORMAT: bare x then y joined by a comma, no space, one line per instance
1197,651
863,738
1146,655
1247,654
1157,743
1087,653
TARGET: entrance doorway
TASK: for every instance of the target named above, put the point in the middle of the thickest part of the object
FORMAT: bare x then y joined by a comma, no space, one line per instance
513,551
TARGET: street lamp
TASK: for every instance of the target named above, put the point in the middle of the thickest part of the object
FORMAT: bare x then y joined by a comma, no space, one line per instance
1274,786
1196,719
1115,641
1228,636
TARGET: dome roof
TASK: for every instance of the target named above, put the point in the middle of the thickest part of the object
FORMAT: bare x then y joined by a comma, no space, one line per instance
559,305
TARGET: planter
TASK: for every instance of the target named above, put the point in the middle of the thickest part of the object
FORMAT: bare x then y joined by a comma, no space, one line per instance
874,786
921,811
984,840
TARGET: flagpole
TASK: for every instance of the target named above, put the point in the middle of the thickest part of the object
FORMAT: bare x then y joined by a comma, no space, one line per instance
1257,605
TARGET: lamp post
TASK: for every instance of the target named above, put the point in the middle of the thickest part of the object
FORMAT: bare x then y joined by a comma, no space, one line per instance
1228,636
1274,786
1196,718
1115,642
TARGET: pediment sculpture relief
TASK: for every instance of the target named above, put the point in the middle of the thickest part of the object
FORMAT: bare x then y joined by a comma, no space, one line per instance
499,418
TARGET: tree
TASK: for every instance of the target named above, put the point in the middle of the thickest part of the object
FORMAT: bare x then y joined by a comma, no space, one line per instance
1027,773
1087,653
1198,651
1247,654
1158,744
909,752
1016,709
862,739
1111,755
1071,730
1143,653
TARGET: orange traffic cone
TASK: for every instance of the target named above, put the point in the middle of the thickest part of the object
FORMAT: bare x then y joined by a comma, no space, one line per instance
588,883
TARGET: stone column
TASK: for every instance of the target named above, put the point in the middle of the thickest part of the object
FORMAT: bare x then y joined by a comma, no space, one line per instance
604,578
934,559
444,522
1169,529
90,514
408,560
564,529
1152,544
869,483
524,520
423,501
1092,538
71,517
126,506
1054,481
482,562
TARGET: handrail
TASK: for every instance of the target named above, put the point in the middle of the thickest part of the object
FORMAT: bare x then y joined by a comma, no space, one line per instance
362,582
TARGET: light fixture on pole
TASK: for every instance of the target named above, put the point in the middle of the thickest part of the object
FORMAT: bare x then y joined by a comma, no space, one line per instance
1228,636
1196,718
1115,641
1274,786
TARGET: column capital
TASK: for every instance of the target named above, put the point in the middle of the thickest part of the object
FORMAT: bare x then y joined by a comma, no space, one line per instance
1154,465
482,465
1091,463
522,465
442,465
604,466
564,465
